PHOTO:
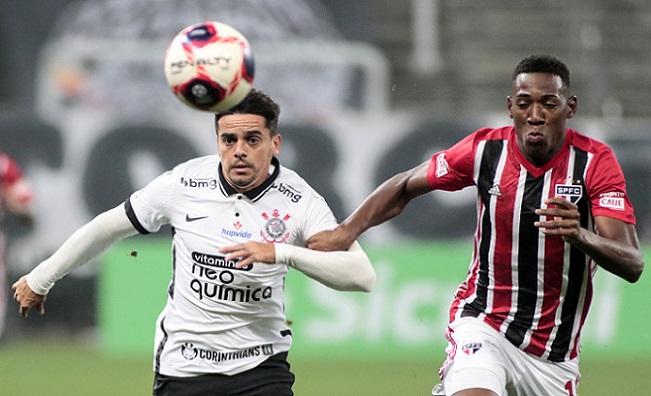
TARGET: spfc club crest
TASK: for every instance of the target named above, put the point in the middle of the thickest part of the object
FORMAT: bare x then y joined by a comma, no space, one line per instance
275,230
571,192
470,348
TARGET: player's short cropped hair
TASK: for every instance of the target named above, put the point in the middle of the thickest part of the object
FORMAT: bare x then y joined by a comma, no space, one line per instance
543,64
258,103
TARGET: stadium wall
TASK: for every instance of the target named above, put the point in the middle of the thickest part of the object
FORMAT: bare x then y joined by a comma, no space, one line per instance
405,316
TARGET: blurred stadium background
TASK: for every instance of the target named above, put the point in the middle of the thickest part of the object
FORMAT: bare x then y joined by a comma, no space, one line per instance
367,88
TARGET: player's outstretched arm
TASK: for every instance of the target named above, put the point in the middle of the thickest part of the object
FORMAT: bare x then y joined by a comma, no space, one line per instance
385,203
85,244
615,246
349,270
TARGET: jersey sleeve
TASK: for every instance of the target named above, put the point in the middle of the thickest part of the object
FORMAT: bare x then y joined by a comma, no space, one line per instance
317,217
452,169
148,208
606,187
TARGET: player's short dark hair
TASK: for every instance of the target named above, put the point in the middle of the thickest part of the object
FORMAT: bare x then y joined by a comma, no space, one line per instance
543,64
258,103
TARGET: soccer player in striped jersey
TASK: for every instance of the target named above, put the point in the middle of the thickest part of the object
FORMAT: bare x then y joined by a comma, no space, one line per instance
552,206
239,220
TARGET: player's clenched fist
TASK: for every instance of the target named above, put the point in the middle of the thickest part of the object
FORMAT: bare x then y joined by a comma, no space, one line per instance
27,298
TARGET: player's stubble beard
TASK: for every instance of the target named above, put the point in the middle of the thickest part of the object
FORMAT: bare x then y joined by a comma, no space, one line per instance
242,182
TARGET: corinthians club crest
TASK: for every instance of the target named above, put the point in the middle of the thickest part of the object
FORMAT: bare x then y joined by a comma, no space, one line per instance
188,351
275,231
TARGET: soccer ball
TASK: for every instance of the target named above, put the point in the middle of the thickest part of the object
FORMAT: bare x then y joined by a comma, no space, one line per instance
209,66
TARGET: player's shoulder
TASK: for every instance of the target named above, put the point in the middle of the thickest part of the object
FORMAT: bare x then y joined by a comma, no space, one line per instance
290,176
201,161
499,133
290,182
198,164
587,143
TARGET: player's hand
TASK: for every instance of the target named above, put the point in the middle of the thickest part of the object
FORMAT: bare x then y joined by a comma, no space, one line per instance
563,219
27,298
330,241
250,252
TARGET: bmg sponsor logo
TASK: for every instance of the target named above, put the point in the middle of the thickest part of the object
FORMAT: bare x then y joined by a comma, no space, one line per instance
288,191
199,182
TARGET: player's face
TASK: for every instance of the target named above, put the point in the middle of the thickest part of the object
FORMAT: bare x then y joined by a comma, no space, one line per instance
539,107
246,148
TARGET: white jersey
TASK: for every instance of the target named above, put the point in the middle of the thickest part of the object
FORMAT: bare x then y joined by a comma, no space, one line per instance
219,319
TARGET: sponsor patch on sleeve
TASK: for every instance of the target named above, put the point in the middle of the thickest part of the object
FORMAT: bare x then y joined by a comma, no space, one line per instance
442,167
612,200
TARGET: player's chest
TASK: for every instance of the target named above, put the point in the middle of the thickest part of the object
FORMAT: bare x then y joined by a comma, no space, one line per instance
517,192
235,219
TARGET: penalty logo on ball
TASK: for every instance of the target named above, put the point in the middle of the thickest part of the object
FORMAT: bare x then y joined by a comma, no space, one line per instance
209,66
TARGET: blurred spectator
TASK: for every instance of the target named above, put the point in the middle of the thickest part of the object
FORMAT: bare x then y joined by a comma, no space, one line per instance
15,197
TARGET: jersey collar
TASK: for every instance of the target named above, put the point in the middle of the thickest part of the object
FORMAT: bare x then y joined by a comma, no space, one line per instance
257,192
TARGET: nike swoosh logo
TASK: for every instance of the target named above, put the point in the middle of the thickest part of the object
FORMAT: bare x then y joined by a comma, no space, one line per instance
191,219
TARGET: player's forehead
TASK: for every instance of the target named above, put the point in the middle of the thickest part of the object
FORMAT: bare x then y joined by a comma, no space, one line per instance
241,123
538,84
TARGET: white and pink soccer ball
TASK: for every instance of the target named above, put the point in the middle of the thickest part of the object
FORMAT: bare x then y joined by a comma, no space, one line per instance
209,66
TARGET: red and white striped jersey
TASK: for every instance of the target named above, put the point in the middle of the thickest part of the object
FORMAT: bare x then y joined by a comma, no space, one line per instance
534,289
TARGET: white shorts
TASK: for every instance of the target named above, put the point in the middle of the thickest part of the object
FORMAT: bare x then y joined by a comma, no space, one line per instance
480,357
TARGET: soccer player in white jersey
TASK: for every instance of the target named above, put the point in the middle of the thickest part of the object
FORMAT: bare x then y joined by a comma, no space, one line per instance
552,206
239,220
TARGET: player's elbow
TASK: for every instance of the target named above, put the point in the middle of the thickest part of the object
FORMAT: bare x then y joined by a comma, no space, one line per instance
366,281
636,270
369,283
361,282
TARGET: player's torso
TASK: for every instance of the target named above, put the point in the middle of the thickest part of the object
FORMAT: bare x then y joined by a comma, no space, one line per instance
214,221
220,318
520,277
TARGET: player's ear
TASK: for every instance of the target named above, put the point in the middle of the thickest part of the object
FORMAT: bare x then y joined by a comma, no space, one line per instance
277,141
572,104
509,103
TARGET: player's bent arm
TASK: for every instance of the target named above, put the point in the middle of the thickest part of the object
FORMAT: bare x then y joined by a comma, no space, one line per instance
386,202
349,270
615,247
85,244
